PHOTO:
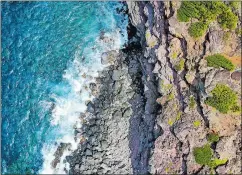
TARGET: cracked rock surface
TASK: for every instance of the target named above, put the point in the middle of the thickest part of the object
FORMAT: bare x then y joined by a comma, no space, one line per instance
141,120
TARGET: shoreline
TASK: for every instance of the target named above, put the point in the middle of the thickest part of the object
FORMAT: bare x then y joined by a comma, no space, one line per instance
141,121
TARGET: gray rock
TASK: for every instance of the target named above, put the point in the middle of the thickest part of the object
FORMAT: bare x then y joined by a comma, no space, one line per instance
88,152
116,75
104,144
236,75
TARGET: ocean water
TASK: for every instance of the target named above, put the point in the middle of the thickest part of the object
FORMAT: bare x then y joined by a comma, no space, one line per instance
50,52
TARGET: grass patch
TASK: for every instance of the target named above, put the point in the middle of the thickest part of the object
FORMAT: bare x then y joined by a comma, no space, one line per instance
223,98
213,137
218,61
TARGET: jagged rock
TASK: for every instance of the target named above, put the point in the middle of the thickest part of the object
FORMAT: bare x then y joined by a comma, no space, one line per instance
135,135
227,148
216,41
59,152
116,75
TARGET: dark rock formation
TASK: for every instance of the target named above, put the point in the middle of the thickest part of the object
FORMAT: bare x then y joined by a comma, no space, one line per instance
141,120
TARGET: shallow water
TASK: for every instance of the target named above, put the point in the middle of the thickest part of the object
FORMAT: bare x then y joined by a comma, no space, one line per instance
46,48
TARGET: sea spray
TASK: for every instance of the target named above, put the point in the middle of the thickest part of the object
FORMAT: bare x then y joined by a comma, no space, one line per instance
68,107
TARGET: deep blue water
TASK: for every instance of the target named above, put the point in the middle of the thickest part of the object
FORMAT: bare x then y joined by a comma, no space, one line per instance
43,46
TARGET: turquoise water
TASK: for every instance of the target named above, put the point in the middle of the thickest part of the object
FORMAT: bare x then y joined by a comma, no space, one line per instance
46,48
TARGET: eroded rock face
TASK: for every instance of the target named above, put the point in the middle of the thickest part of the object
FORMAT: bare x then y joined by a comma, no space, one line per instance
149,112
184,126
104,143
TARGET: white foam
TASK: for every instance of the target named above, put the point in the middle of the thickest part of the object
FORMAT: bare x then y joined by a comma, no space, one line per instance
69,106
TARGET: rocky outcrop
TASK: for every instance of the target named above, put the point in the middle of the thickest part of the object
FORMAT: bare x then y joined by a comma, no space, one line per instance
149,112
182,74
104,143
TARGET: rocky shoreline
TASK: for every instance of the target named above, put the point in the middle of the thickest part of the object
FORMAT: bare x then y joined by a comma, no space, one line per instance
140,121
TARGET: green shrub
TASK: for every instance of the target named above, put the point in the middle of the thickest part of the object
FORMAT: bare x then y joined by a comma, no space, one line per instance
223,98
180,65
226,36
203,155
181,16
186,11
197,29
213,137
228,20
192,102
234,4
218,60
207,12
235,108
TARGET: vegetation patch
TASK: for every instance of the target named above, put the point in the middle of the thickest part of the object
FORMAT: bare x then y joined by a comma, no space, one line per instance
217,162
228,20
192,102
197,29
218,61
180,65
223,98
178,117
206,12
234,4
174,55
213,137
171,96
196,123
204,156
226,36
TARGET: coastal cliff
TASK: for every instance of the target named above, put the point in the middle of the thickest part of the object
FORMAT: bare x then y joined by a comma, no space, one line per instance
150,113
